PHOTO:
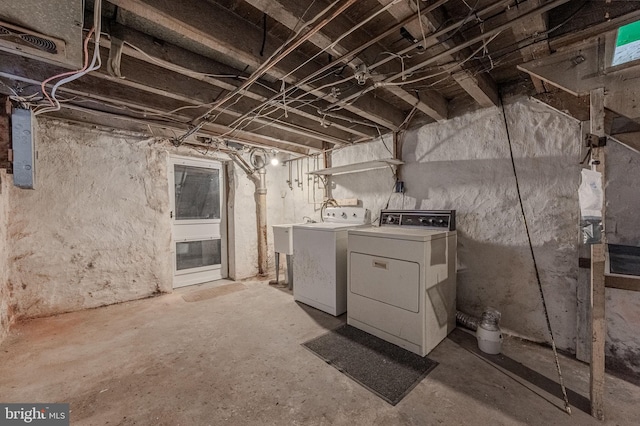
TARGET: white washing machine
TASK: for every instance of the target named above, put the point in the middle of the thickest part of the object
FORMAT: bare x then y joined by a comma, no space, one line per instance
402,278
320,258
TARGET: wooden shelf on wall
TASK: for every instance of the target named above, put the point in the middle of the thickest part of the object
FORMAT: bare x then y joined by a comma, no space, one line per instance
358,167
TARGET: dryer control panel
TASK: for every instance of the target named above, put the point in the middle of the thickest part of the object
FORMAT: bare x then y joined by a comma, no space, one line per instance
426,219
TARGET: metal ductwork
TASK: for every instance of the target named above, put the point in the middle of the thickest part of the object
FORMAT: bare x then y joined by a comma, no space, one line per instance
49,31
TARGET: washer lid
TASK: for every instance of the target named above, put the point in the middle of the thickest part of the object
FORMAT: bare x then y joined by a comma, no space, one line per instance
287,225
400,233
328,226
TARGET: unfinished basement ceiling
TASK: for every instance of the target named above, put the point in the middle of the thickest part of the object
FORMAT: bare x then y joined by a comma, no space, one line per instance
303,76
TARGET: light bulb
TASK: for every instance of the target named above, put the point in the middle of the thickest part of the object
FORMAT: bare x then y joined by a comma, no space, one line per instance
275,161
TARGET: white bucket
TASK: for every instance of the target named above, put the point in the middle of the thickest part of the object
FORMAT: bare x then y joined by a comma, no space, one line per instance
489,341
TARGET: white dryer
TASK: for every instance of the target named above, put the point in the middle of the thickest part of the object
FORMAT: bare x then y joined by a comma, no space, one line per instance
402,278
320,258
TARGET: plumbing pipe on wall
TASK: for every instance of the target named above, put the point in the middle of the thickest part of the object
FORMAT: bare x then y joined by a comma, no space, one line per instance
261,216
260,196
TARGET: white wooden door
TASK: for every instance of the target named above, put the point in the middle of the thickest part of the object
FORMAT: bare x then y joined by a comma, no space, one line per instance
196,189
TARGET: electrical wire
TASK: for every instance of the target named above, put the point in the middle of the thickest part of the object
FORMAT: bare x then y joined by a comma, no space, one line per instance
505,51
96,62
349,100
535,264
348,56
86,65
445,71
280,53
424,37
533,39
339,39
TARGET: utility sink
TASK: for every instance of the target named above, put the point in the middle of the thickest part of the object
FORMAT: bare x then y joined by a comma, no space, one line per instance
283,238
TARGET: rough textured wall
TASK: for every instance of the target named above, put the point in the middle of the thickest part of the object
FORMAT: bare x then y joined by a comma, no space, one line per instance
96,229
373,187
464,164
623,227
244,247
291,205
284,205
6,314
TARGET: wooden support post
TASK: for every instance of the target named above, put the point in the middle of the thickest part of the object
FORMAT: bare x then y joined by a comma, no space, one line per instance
5,133
598,319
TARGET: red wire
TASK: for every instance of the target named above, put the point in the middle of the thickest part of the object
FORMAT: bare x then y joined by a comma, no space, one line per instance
86,65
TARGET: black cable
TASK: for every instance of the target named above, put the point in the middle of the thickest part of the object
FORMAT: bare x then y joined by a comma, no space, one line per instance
533,256
264,33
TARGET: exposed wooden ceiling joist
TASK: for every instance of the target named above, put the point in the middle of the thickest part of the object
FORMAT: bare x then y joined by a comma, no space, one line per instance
136,101
427,59
480,87
238,39
435,107
194,66
536,25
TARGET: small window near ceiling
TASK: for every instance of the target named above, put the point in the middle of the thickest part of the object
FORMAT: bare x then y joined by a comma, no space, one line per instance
627,44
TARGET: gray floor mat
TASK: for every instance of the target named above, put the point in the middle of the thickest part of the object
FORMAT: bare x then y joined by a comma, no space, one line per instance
384,368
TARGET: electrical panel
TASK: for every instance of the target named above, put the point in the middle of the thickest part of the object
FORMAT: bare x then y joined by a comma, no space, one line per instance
24,148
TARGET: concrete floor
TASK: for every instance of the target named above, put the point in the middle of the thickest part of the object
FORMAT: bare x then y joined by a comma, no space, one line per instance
233,356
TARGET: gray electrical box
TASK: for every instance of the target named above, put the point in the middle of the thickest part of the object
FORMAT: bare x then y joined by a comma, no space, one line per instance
24,148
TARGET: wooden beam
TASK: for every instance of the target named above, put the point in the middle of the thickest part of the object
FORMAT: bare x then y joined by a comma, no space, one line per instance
593,30
565,103
152,128
5,133
198,67
461,46
156,80
529,27
580,68
280,10
480,87
598,319
435,105
631,140
240,41
479,38
92,87
622,282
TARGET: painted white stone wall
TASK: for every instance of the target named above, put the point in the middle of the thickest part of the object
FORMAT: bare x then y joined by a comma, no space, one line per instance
623,227
244,243
291,205
284,205
373,187
6,314
96,229
464,164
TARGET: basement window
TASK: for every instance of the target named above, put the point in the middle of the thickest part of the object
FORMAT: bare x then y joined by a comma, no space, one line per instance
627,47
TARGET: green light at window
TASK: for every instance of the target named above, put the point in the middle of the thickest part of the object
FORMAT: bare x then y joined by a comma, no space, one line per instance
628,34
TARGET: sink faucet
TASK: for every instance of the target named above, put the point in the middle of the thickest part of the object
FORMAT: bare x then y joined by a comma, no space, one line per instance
344,215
